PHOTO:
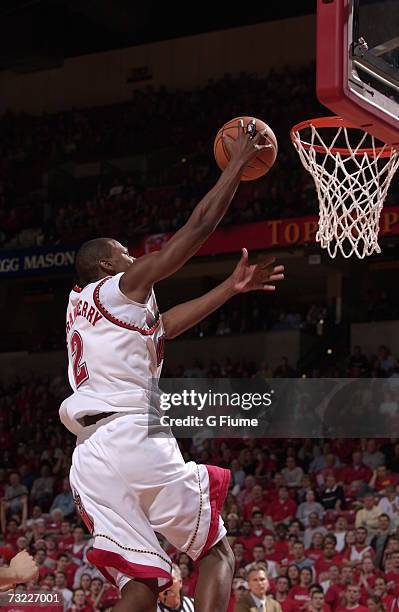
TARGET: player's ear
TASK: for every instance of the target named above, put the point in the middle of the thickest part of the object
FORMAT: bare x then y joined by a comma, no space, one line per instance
106,266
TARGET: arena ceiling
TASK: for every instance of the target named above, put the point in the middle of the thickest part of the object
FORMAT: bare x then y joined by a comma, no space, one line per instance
36,34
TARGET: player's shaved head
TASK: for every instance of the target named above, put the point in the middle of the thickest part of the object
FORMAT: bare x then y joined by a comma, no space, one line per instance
88,259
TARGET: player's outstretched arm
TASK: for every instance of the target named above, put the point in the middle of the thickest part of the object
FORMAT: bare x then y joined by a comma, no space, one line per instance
259,277
147,270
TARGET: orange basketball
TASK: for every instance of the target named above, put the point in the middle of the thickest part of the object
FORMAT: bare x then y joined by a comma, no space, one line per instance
261,164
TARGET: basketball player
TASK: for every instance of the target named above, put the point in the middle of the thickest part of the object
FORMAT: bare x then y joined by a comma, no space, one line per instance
126,484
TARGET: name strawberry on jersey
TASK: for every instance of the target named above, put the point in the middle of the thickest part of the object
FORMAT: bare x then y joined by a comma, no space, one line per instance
83,309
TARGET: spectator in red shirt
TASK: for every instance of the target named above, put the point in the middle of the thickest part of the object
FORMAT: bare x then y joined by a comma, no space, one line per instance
188,577
293,574
245,496
271,553
40,558
330,557
281,543
239,555
278,481
239,588
85,583
382,478
257,519
317,602
48,582
65,539
367,577
65,565
79,602
331,466
257,501
248,539
52,548
110,596
281,594
12,533
333,586
315,551
392,576
381,591
352,598
284,509
300,593
96,592
357,473
335,596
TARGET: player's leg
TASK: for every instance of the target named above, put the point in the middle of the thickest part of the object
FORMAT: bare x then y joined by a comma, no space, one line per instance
216,571
138,596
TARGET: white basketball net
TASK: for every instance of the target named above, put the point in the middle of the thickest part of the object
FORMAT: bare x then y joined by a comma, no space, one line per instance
351,188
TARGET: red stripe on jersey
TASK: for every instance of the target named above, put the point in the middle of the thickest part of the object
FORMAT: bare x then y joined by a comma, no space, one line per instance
219,480
110,317
104,558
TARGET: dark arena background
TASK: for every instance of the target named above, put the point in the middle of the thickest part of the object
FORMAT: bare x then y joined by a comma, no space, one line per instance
108,114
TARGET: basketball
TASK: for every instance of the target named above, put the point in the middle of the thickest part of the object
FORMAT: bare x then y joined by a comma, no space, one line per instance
264,160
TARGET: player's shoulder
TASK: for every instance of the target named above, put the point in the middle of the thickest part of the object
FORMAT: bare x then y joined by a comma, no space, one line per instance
109,287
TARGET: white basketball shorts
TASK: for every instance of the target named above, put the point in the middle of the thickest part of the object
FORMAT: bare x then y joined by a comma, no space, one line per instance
128,485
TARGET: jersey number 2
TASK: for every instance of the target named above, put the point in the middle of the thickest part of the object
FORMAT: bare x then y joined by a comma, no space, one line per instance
80,371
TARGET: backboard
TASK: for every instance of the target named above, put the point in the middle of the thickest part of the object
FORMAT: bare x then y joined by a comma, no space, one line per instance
358,63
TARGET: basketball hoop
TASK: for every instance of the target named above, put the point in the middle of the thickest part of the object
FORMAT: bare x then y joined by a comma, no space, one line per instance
352,175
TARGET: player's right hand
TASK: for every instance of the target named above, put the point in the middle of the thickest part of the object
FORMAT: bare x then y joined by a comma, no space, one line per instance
24,567
247,145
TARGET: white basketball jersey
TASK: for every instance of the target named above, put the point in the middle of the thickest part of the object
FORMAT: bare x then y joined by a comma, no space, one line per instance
115,350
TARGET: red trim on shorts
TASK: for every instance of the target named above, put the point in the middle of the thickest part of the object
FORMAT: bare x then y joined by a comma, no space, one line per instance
219,480
110,317
105,558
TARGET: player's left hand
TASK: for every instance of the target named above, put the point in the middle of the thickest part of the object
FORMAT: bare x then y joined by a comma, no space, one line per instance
259,277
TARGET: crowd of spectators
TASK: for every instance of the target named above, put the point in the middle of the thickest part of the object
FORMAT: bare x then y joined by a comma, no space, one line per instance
299,511
250,313
176,166
161,195
381,364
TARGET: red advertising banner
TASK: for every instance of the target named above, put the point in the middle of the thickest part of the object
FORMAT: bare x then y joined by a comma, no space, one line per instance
273,234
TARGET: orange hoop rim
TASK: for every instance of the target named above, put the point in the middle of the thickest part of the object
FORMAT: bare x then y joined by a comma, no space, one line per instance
337,122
